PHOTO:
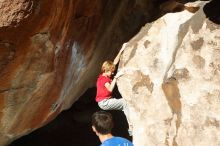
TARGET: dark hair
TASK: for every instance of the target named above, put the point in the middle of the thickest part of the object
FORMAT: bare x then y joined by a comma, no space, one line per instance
103,122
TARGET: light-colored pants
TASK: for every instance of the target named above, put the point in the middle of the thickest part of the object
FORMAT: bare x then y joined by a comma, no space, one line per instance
115,104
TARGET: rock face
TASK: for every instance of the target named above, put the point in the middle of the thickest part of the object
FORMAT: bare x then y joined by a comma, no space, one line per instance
51,52
172,81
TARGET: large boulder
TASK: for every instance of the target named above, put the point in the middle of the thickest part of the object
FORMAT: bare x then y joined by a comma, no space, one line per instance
172,80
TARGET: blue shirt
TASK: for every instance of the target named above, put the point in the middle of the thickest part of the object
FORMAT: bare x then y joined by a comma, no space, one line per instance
116,141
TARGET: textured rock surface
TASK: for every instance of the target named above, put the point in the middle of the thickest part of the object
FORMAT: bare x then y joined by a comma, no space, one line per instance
172,81
51,51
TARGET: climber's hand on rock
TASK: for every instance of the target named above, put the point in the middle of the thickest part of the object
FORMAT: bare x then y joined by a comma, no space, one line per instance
119,74
123,47
117,58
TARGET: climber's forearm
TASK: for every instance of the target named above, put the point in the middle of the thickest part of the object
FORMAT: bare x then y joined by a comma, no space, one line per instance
117,58
112,85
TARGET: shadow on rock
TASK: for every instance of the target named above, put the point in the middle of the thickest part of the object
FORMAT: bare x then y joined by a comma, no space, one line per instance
73,127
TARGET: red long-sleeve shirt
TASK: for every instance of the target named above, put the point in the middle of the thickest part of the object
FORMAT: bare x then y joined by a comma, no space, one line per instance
102,92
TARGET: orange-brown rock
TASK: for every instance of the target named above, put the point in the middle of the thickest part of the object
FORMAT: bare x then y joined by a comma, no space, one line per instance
51,51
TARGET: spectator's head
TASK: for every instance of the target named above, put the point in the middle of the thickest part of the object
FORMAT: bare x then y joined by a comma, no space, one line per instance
102,122
108,66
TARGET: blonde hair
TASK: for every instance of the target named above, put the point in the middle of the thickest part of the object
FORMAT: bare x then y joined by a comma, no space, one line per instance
108,66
